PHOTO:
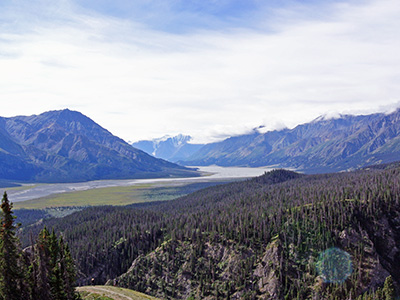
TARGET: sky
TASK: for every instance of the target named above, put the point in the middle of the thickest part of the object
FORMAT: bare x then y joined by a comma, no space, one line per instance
206,68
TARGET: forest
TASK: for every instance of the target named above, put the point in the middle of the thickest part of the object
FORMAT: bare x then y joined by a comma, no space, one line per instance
282,235
44,270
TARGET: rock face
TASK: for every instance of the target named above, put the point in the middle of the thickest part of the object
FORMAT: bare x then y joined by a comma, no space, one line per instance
175,270
267,271
324,145
371,267
59,146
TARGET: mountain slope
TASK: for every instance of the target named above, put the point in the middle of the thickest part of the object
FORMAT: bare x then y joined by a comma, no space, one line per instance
271,237
173,149
68,146
324,145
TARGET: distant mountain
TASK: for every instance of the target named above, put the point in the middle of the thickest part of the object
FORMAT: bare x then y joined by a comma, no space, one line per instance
323,145
172,148
60,146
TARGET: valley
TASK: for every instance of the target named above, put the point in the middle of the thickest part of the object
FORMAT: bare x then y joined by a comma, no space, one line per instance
210,232
200,150
123,192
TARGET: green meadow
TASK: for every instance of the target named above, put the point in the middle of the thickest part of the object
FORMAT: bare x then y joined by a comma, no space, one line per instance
121,195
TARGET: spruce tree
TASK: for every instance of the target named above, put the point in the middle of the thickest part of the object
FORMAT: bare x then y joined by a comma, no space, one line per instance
42,261
68,271
11,272
388,288
55,275
55,268
46,272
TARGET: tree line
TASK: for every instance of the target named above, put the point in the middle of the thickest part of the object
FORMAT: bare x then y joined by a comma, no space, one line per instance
45,270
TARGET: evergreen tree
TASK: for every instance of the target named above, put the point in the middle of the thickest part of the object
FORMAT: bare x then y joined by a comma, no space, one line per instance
388,288
45,271
55,276
42,261
68,271
56,268
11,272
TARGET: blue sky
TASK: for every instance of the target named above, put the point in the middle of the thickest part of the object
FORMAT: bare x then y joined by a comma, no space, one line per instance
209,69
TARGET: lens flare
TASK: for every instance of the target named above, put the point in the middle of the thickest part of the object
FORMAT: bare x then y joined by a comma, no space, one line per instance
334,265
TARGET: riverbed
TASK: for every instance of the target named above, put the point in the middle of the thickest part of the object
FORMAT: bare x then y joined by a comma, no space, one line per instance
210,173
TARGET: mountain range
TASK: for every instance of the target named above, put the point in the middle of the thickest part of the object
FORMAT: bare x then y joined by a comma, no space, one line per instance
65,146
324,145
171,148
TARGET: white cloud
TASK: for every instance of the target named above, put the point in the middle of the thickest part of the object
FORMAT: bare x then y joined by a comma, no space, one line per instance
141,83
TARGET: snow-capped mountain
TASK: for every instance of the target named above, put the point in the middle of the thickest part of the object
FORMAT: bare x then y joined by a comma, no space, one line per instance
172,148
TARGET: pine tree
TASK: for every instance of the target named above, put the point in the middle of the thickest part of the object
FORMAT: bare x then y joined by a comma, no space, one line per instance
46,271
42,261
388,288
11,268
68,271
56,273
33,272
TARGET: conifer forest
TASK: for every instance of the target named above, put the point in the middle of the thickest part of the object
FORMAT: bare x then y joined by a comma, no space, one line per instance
282,235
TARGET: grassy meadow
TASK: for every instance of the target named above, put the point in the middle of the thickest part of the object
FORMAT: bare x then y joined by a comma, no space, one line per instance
119,195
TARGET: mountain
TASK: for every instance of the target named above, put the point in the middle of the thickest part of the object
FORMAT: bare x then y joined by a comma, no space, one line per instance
171,148
61,146
323,145
283,235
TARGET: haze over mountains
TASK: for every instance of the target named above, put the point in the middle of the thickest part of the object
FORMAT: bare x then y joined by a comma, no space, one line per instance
323,145
61,146
172,148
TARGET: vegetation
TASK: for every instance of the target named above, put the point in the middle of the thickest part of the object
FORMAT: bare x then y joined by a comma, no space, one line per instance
121,195
264,238
101,292
93,296
29,216
43,271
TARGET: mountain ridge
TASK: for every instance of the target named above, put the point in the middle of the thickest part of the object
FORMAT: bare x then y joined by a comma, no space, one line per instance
342,143
65,145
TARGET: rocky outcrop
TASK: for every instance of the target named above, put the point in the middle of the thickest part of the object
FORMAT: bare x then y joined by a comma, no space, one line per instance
267,271
181,270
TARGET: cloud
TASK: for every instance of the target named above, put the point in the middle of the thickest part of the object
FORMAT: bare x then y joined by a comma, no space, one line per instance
205,82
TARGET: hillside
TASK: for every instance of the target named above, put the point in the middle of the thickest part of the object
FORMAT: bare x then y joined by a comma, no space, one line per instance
113,293
62,146
271,237
171,148
324,145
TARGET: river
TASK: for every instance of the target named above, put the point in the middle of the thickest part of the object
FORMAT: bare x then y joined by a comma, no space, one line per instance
34,191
